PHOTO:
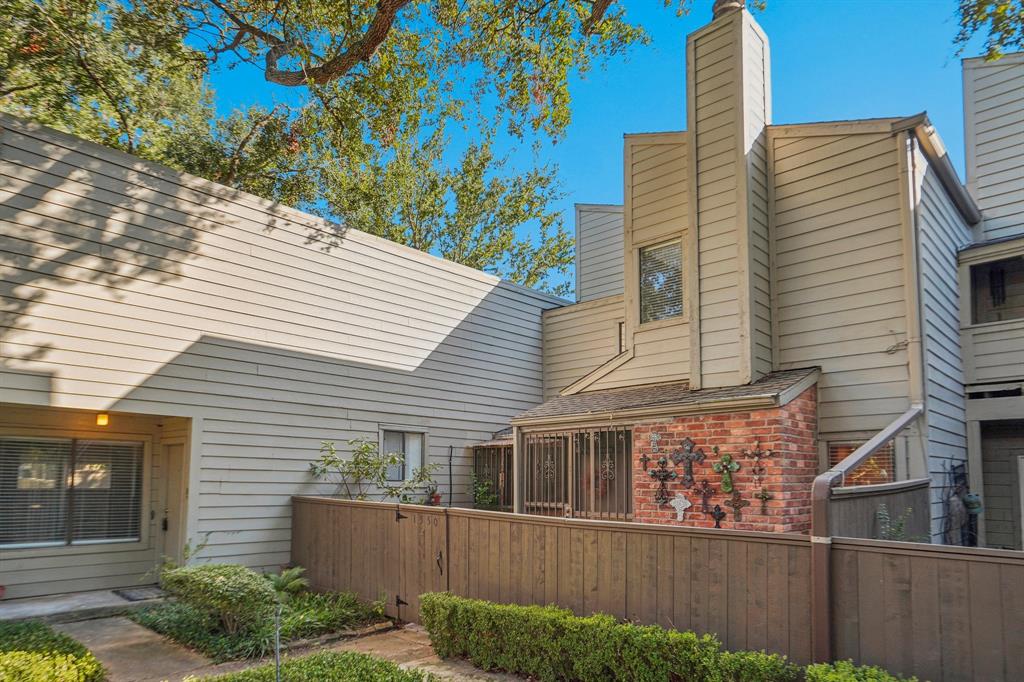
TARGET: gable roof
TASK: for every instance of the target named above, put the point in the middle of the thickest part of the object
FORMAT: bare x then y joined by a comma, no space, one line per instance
772,390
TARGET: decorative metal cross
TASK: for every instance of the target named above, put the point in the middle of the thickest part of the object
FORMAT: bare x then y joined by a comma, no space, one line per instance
718,514
644,459
663,475
688,456
758,455
764,496
725,466
680,504
706,491
655,438
737,503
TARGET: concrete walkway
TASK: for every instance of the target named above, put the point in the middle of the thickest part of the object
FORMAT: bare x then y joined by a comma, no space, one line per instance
132,653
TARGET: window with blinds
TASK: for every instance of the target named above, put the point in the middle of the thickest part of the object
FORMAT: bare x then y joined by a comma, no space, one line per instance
410,446
61,491
661,281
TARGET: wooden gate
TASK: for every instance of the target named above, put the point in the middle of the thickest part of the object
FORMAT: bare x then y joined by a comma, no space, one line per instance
423,557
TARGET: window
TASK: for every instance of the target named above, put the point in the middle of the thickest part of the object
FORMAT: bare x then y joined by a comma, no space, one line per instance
997,290
57,491
878,468
407,444
661,281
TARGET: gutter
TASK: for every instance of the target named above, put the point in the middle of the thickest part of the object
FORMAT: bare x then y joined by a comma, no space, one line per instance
935,151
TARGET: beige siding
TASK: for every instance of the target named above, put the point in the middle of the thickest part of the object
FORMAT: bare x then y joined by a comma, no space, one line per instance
599,251
994,134
839,274
660,354
943,233
578,339
132,288
996,352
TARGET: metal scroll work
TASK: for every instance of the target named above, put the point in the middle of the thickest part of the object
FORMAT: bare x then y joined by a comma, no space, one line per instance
758,470
706,492
737,503
687,455
663,476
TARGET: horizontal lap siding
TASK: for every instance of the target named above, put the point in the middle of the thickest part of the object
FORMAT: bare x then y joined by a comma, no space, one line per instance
129,287
994,111
578,339
839,275
599,255
942,234
997,352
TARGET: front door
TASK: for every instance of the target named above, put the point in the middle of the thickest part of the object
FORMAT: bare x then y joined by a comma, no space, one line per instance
170,516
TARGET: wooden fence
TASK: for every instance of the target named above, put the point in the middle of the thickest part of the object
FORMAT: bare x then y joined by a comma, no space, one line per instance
941,613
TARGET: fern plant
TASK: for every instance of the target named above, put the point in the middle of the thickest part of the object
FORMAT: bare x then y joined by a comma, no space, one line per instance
288,582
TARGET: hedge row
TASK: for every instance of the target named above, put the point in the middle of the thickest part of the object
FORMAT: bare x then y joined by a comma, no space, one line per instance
344,666
34,652
550,643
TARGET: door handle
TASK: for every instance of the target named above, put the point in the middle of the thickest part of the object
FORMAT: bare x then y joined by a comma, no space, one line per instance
438,559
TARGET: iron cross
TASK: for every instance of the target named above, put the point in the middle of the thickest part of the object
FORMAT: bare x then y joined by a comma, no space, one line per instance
718,514
663,475
725,466
688,456
706,491
737,503
644,459
758,455
764,496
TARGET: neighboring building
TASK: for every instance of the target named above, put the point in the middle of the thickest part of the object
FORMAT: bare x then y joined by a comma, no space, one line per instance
793,289
223,345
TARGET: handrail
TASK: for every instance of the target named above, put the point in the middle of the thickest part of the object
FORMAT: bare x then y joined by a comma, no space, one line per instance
821,540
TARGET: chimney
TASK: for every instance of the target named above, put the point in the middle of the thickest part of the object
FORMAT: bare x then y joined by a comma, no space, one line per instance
729,105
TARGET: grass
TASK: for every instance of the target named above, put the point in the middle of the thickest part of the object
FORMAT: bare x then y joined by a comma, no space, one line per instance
346,666
307,614
34,652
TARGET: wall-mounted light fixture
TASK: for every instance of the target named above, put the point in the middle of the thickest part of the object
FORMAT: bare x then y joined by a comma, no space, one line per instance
102,419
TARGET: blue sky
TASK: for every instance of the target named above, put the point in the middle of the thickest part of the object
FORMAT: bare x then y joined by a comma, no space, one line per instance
831,60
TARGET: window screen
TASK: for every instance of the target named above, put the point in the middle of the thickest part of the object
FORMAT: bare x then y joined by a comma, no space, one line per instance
408,444
63,491
997,290
878,468
661,281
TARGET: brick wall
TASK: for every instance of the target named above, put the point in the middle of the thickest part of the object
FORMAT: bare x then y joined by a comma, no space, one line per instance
789,432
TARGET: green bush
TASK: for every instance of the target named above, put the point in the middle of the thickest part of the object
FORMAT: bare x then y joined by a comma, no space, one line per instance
846,671
346,666
307,614
33,652
550,643
237,596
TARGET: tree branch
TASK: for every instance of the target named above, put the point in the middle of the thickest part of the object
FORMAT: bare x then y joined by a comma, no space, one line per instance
597,12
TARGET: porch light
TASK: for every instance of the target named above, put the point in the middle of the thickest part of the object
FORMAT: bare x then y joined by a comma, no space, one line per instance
102,419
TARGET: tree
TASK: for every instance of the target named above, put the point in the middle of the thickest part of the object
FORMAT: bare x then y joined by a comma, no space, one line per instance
370,89
1002,22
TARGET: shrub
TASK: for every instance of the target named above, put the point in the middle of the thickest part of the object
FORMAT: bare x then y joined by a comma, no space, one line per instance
550,643
347,666
239,597
33,652
846,671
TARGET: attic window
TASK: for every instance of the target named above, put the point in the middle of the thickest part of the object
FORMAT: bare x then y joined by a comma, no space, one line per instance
997,290
661,281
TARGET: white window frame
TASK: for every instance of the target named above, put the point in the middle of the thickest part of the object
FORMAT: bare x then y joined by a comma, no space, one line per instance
92,547
404,429
663,240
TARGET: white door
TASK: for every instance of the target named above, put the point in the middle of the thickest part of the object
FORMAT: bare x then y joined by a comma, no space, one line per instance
170,518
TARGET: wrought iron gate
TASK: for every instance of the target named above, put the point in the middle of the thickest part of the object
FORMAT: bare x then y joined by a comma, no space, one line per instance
581,473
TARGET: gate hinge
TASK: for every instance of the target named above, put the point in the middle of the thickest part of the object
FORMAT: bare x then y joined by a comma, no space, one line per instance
399,515
400,602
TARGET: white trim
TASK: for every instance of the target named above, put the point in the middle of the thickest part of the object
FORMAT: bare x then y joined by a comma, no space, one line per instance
418,429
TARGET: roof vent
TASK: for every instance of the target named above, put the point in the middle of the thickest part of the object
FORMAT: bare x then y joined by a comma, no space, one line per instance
723,7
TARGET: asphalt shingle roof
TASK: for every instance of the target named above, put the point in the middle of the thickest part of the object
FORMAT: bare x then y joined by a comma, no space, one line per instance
661,395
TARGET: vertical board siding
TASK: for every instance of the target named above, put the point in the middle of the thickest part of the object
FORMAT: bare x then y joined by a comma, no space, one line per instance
129,287
939,614
994,123
943,233
578,339
599,251
840,299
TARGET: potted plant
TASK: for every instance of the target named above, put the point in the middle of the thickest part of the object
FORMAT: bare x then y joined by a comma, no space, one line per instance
433,497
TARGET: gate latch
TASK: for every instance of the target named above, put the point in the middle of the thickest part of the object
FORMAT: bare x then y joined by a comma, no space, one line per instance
400,602
399,515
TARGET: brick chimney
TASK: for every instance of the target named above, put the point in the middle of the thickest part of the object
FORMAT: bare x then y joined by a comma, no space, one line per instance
729,105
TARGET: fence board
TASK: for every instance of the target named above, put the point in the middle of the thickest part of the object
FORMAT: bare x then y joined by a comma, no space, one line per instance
942,613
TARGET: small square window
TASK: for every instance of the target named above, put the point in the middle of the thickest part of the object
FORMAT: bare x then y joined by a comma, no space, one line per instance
997,290
878,468
405,443
661,281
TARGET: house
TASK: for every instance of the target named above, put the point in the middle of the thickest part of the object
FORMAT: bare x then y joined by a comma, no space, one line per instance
771,297
173,353
768,298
